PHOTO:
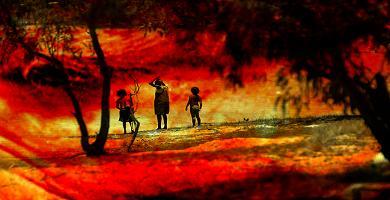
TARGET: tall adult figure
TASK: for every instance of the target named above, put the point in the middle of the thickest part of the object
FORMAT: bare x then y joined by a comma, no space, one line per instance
161,102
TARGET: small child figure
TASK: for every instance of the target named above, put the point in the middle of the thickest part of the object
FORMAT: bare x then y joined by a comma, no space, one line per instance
195,103
123,107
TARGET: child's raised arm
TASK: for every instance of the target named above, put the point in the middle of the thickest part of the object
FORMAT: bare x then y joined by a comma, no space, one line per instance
152,83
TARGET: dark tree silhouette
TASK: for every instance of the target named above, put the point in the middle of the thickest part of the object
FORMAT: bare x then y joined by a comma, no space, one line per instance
322,40
17,17
54,23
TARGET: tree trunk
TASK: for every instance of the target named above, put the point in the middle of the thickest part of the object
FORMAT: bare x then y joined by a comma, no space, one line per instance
372,103
105,71
373,106
89,149
80,120
97,148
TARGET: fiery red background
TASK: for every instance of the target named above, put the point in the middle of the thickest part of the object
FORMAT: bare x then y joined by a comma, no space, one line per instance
30,112
131,52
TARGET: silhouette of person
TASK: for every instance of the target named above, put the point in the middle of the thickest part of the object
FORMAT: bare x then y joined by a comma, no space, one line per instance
124,108
161,102
195,103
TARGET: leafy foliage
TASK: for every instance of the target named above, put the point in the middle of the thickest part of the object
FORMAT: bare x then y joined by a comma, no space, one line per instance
320,39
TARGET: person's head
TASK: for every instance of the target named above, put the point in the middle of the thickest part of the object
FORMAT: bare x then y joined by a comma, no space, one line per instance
121,93
195,90
159,82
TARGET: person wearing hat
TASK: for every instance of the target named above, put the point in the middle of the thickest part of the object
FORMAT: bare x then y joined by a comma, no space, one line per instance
195,103
161,102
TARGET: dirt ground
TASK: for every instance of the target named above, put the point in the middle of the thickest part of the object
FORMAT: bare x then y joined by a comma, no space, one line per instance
263,159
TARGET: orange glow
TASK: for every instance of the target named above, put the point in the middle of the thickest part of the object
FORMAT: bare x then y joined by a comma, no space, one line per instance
128,49
37,125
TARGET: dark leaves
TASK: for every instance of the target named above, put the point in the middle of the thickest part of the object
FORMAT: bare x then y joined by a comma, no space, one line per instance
47,75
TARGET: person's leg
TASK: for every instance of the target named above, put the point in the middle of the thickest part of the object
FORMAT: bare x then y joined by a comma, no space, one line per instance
193,122
165,121
192,118
192,112
158,121
198,118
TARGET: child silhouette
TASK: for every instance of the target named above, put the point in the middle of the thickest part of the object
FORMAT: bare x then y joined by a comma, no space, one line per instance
195,103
